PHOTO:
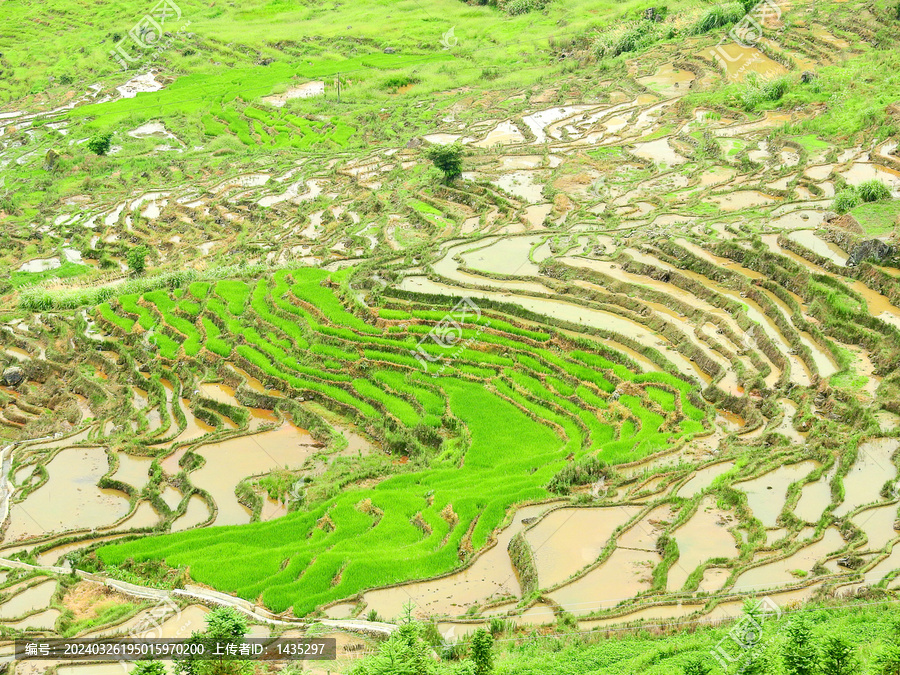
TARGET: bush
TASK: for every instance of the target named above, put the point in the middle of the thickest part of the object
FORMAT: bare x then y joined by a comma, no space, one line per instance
100,144
873,191
845,200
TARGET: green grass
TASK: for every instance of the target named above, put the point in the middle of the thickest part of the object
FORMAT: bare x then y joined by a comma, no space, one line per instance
878,218
481,480
67,270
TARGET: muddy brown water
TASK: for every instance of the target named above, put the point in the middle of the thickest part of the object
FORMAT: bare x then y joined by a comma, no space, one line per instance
878,305
826,249
703,478
144,516
669,80
878,524
505,133
135,471
872,468
704,536
230,461
28,600
504,256
527,185
713,580
766,494
814,499
45,620
570,539
623,575
490,575
73,475
779,572
649,614
197,512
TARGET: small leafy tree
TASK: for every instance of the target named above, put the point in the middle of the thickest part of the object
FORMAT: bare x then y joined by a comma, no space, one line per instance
799,651
137,259
224,624
447,158
404,653
100,144
482,643
149,668
838,657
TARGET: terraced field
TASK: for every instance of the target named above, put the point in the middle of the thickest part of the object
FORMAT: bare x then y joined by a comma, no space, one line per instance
633,366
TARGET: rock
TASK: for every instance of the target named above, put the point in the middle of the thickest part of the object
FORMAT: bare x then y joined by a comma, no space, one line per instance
414,143
265,62
13,376
830,215
390,50
807,76
872,249
50,159
653,14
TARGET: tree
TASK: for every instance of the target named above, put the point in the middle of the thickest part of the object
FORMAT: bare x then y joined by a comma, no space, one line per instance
838,657
137,259
149,668
799,652
224,624
447,158
482,643
404,653
100,144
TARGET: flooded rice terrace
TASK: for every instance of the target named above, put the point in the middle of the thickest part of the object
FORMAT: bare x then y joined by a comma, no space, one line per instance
698,249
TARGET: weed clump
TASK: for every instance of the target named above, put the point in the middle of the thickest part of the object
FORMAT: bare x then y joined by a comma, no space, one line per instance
718,16
846,200
870,191
873,191
583,472
760,91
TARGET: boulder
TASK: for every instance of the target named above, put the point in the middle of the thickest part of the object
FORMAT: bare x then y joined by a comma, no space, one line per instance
830,215
51,159
12,376
807,76
871,249
390,50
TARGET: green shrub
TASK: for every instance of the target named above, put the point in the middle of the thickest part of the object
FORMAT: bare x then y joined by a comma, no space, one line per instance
873,191
100,144
447,158
846,199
